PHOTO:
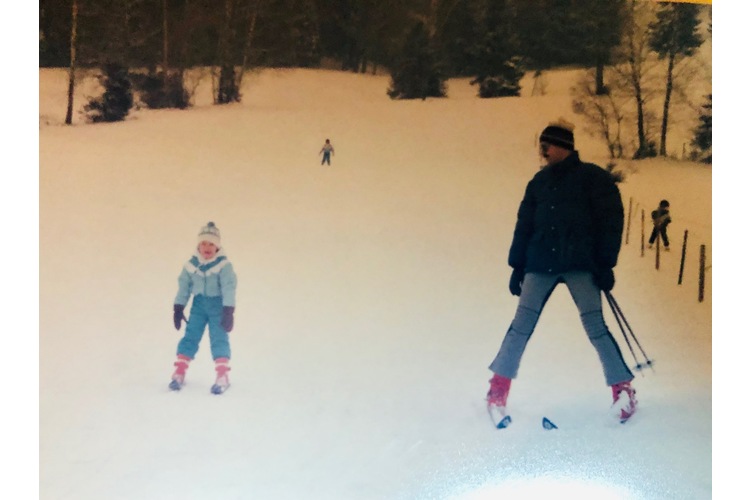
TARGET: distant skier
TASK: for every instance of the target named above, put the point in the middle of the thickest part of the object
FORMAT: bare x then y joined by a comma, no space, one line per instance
568,231
210,278
327,151
661,219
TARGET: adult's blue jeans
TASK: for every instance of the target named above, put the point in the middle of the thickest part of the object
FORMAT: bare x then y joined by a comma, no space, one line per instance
535,290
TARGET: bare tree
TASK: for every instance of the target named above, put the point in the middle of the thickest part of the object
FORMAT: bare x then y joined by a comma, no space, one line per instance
634,73
604,113
253,10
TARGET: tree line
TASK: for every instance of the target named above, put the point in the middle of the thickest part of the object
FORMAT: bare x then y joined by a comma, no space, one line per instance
361,35
149,44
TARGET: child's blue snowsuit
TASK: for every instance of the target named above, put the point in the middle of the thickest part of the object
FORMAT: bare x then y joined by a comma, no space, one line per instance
213,285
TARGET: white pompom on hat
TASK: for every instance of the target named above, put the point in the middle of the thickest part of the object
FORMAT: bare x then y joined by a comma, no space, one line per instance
210,233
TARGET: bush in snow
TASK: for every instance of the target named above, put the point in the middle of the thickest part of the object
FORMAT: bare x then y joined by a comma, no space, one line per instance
114,105
417,74
156,91
504,82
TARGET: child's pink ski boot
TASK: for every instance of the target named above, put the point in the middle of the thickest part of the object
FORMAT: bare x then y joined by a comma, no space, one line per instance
178,377
222,379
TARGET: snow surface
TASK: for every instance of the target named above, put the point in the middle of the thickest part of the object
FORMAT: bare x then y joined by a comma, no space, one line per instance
372,296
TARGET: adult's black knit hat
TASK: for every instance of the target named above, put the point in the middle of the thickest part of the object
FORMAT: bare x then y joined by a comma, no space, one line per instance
559,133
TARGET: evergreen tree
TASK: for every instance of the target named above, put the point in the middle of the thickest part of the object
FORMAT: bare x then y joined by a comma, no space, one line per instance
598,26
287,33
417,74
54,32
702,139
114,105
360,33
547,32
536,30
674,35
496,63
458,38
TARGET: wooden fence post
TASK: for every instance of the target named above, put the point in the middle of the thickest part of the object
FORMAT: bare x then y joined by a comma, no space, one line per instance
658,247
630,211
682,259
643,232
702,273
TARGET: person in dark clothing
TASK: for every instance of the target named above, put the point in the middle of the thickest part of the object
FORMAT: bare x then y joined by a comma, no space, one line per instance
569,230
661,219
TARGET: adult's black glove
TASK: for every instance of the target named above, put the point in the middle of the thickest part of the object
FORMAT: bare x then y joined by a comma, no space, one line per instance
605,279
179,315
227,318
516,278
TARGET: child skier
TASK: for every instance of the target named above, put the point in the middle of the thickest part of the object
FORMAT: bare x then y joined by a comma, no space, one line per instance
661,219
327,151
209,277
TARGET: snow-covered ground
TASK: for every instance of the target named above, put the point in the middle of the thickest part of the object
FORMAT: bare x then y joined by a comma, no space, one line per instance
372,296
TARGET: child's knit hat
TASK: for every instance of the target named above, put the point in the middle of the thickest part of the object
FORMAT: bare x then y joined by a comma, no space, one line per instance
210,233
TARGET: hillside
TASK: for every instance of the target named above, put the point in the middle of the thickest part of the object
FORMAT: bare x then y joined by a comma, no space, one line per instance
372,296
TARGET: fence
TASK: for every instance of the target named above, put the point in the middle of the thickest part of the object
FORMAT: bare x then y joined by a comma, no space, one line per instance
702,267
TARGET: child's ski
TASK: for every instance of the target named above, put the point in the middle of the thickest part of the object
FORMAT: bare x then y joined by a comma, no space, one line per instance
175,385
219,389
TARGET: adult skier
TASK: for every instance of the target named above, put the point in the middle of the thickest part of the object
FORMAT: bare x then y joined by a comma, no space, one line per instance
569,231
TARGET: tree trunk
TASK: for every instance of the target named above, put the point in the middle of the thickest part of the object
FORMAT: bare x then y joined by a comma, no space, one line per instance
227,89
667,99
165,43
248,41
601,89
635,79
642,141
634,48
432,19
72,70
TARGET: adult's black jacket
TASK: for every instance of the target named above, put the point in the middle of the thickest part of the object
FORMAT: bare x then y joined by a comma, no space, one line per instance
570,219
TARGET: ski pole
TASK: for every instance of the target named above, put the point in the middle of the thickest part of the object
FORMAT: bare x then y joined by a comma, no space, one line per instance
619,323
629,328
615,306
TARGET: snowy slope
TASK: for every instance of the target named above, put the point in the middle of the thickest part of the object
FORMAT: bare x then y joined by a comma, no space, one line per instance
372,296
